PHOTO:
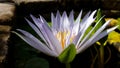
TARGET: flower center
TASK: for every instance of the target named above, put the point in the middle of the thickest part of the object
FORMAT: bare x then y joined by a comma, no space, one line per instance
63,37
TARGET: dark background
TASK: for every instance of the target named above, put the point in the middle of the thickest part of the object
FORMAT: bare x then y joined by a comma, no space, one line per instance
110,8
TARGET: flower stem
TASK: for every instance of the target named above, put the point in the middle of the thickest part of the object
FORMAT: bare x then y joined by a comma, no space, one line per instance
101,56
67,65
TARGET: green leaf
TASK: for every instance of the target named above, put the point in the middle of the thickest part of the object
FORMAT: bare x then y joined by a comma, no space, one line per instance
68,54
99,16
96,25
101,22
118,23
87,31
37,63
49,24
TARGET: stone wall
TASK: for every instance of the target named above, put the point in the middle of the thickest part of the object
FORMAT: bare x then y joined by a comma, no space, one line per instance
6,16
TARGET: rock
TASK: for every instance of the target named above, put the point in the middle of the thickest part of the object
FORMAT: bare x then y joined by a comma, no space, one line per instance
6,16
6,12
29,1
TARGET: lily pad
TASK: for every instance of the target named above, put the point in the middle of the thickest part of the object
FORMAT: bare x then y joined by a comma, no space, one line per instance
37,63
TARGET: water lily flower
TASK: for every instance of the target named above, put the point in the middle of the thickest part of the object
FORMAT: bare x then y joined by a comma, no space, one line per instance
63,31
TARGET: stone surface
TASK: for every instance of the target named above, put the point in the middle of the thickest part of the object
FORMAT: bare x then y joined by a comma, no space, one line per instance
29,1
6,11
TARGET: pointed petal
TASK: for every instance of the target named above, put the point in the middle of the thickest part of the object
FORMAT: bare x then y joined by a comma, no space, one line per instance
34,42
101,35
58,21
43,20
75,41
53,40
87,36
79,17
35,29
93,40
97,32
54,24
95,35
87,23
85,17
76,26
54,45
65,21
47,33
54,27
71,18
101,29
52,18
38,23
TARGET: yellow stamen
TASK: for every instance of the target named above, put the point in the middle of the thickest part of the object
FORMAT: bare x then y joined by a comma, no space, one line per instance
62,36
